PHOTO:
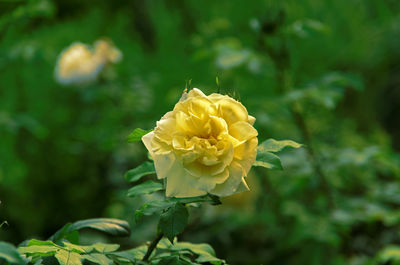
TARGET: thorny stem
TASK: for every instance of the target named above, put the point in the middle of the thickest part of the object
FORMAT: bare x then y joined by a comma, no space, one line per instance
152,246
316,164
283,80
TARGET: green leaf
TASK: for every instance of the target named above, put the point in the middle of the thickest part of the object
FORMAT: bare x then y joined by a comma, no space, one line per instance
131,254
69,253
391,252
72,237
213,199
340,79
137,173
61,233
145,188
272,145
66,257
124,257
304,28
105,248
98,258
326,90
10,254
111,226
152,208
37,247
174,220
35,242
204,251
97,247
76,248
37,261
65,233
268,160
137,135
186,259
173,260
38,250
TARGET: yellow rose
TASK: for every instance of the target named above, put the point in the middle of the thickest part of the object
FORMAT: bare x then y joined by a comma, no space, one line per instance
78,64
206,144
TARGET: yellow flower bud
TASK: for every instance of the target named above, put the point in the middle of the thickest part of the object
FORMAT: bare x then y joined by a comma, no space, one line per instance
206,144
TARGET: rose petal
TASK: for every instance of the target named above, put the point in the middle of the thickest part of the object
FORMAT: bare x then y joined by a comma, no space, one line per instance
242,131
218,126
147,139
189,157
208,183
246,153
199,169
164,127
215,97
210,160
182,123
196,95
181,184
251,120
242,186
195,92
164,165
230,186
200,106
232,111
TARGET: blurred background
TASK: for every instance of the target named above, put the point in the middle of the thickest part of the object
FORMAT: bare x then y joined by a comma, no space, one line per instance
322,73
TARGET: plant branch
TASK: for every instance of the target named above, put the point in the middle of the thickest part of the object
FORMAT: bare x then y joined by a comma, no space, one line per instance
152,246
316,164
281,60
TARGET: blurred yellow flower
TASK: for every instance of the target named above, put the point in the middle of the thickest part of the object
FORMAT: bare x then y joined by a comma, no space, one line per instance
206,144
78,64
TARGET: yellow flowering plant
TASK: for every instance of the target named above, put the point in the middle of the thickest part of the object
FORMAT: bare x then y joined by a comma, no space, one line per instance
201,150
80,64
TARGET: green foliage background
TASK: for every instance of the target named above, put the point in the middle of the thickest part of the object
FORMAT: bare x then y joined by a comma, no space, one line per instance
322,73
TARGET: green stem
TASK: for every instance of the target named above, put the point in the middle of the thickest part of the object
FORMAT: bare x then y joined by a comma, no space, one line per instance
152,246
316,164
284,85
